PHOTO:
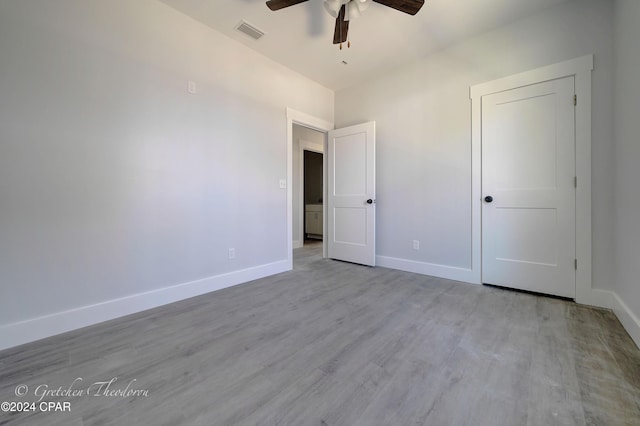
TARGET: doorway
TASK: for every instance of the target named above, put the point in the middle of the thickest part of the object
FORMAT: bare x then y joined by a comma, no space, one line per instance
344,178
308,185
297,120
312,196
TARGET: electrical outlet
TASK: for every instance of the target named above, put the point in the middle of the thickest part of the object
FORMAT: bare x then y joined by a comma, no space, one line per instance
283,183
416,245
232,253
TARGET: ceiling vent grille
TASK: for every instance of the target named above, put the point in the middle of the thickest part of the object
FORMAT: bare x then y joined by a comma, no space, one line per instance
250,30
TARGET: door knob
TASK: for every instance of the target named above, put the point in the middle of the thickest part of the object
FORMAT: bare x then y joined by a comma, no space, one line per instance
488,198
369,201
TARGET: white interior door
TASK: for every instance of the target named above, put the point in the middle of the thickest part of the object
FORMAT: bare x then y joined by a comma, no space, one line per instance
351,206
528,172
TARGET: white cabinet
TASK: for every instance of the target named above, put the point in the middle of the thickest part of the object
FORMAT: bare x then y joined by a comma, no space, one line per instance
314,222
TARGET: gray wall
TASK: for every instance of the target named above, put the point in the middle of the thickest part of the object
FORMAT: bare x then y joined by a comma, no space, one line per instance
627,154
423,130
114,180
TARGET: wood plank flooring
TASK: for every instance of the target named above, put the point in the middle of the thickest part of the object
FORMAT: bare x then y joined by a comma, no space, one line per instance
332,343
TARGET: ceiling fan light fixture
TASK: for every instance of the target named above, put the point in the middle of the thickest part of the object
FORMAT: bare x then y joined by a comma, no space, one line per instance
333,7
353,11
362,4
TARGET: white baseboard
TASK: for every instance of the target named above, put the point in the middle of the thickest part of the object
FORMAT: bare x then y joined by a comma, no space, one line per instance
596,297
629,320
38,328
297,244
424,268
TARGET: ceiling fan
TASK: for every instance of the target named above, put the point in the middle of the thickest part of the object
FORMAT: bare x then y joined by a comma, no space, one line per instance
346,10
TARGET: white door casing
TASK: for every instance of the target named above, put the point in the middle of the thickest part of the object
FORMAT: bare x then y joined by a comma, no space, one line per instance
528,168
351,194
312,122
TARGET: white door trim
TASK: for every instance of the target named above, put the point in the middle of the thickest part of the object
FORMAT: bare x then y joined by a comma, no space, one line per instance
580,68
315,123
302,147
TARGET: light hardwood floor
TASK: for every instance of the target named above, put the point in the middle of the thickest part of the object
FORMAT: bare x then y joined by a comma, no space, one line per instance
332,343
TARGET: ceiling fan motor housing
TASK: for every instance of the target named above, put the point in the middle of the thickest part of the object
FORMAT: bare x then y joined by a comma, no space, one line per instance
345,10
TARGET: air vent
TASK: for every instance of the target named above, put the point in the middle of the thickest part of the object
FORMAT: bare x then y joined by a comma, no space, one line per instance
250,30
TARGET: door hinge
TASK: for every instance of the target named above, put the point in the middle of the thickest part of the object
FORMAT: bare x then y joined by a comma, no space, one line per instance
575,99
575,264
575,181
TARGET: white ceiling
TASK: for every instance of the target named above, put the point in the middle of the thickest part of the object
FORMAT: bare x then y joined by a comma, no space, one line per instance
300,37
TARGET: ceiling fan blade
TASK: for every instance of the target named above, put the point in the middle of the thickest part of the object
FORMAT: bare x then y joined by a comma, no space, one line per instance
281,4
342,27
407,6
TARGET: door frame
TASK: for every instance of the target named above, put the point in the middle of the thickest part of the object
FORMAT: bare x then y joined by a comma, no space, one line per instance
320,125
581,69
319,149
